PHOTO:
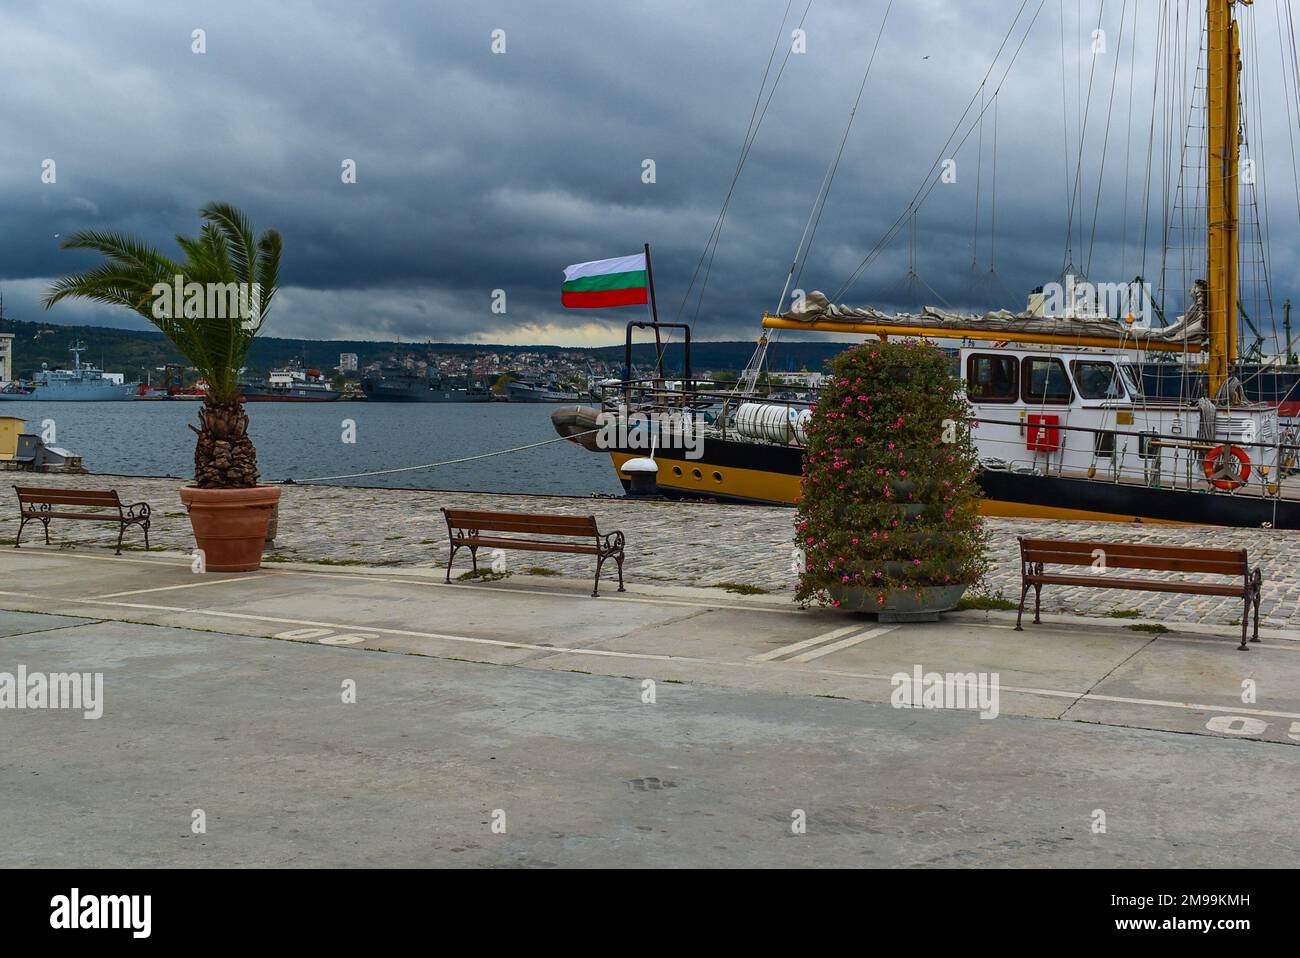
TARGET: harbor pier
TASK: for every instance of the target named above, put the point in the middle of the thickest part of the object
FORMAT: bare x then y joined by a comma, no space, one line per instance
677,543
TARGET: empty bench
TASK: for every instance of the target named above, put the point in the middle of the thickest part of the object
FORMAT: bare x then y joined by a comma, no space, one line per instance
38,505
474,530
1035,554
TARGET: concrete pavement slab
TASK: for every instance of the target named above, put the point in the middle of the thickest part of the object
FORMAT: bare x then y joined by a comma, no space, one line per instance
255,735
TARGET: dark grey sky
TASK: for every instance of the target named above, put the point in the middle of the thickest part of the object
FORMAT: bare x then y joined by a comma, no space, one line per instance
478,171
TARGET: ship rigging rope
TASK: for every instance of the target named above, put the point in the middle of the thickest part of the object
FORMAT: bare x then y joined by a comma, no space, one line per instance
751,134
445,462
930,180
1105,143
1076,190
754,369
819,202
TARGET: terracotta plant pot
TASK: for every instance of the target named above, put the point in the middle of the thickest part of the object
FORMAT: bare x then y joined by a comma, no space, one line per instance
230,524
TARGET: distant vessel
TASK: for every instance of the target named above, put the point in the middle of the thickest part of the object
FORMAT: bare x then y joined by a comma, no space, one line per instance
552,391
79,384
172,387
290,384
403,385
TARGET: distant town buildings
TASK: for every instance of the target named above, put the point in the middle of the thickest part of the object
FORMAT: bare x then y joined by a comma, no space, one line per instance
804,378
347,362
6,357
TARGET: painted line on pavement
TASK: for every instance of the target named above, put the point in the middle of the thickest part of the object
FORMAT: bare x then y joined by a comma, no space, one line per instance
169,588
806,643
851,641
635,600
647,656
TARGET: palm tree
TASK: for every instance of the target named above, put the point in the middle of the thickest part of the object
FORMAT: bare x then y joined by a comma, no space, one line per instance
137,276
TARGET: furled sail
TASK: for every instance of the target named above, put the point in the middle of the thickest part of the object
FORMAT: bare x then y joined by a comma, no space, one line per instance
1189,328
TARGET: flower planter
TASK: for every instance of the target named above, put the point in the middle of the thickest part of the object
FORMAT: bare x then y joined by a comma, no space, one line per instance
230,525
900,606
889,521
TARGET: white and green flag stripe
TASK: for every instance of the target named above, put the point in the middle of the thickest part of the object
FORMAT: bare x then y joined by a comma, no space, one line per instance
621,281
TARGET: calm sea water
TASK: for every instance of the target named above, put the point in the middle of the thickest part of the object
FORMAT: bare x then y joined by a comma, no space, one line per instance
305,440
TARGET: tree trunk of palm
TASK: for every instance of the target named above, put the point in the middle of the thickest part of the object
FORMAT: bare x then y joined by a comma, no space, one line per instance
224,457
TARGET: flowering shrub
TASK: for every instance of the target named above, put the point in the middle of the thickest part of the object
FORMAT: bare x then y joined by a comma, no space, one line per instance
890,503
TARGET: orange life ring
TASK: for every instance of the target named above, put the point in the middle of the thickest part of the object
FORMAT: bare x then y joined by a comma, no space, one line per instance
1222,474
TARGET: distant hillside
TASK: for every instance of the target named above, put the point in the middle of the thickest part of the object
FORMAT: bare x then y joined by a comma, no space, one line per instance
134,351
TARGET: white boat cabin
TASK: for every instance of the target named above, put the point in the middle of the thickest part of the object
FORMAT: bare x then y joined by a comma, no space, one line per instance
1082,413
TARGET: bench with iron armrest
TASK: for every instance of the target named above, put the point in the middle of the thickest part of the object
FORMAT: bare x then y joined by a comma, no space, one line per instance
38,505
1037,553
468,529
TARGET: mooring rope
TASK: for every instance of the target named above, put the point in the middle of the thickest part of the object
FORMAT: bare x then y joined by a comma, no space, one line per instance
445,462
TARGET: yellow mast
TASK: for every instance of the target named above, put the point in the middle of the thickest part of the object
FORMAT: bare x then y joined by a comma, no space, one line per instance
1223,71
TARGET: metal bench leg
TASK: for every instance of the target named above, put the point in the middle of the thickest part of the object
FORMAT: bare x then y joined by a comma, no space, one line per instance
145,526
121,531
1038,595
473,557
21,525
619,559
450,559
1245,623
1024,591
46,523
595,589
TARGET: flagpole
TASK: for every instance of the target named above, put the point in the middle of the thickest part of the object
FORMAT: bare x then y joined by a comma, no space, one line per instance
654,315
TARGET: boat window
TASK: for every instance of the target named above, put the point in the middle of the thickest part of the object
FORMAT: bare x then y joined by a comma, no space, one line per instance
1043,380
991,378
1096,380
1132,379
1103,443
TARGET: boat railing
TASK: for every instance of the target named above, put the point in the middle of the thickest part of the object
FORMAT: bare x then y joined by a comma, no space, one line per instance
1190,452
697,395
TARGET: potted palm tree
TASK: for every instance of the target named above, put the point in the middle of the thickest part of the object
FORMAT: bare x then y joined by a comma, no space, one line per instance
210,304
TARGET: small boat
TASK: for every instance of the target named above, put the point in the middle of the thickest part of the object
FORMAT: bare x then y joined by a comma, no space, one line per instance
290,384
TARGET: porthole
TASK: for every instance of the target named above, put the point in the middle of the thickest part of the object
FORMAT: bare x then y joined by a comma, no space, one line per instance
717,477
677,470
697,474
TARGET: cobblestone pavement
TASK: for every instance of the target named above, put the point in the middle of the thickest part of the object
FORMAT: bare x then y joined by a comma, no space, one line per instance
677,543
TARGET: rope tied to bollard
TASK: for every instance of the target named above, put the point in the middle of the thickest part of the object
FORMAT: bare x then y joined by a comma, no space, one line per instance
444,462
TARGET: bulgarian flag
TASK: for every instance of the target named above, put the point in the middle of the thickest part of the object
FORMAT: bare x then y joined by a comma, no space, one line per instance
620,281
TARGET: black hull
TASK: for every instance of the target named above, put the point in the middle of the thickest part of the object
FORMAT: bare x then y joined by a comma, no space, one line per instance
1025,494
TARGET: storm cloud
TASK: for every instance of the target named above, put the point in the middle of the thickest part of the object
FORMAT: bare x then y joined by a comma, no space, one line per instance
479,170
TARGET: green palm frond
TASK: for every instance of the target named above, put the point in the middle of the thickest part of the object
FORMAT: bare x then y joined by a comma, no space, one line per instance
238,232
222,257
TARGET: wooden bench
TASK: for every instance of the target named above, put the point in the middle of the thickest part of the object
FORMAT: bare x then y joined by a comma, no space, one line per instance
38,505
1036,553
466,528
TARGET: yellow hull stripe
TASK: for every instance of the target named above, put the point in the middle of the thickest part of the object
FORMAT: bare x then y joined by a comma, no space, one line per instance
701,479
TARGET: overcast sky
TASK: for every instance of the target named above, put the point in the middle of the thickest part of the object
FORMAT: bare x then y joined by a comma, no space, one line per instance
479,170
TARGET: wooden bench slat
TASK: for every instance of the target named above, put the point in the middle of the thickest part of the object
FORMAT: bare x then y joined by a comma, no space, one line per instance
465,528
71,499
99,500
1070,546
1144,585
1119,560
101,516
530,545
1035,554
520,522
585,531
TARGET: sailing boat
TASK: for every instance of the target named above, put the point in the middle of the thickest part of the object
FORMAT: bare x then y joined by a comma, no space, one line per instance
1059,415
